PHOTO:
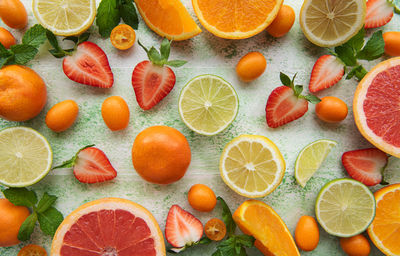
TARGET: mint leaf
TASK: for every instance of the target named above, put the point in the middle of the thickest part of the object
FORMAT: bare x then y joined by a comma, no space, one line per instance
346,54
107,17
359,72
35,36
245,240
128,13
357,41
5,55
23,53
176,63
285,79
44,203
374,48
227,217
165,48
57,51
49,220
20,196
27,227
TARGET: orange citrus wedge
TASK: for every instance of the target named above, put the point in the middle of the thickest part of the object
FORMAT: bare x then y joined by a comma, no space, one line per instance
385,229
236,19
168,18
258,219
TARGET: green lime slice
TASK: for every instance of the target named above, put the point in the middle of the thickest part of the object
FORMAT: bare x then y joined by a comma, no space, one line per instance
208,104
345,207
25,157
310,159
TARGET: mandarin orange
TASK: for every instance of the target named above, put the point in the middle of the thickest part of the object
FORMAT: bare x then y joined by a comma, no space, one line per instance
11,219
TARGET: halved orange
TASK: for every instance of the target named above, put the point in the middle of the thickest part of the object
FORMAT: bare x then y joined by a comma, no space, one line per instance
385,229
109,226
168,18
236,19
258,219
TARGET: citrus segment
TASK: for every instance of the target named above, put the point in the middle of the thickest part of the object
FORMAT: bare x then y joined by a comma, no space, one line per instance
168,18
384,230
109,226
345,207
236,19
376,106
252,166
264,224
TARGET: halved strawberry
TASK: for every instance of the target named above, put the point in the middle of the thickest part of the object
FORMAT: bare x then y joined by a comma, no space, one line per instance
90,165
327,71
182,228
379,13
286,104
365,165
152,80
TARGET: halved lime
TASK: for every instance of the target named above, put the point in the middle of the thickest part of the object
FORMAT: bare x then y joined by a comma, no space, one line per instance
208,104
310,159
345,207
25,157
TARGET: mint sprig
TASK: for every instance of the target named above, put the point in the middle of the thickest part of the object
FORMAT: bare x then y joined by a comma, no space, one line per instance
298,89
160,58
57,51
49,217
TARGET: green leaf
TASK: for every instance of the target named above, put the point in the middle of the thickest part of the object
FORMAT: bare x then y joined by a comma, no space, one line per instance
359,72
285,79
45,202
204,240
27,227
128,13
357,41
71,162
176,63
5,55
35,36
396,5
217,253
245,240
23,53
107,17
20,196
57,51
165,49
374,48
298,89
346,54
311,98
144,48
49,220
155,57
83,38
227,217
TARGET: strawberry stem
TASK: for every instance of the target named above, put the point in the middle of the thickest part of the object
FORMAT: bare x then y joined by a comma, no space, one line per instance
71,162
160,58
298,89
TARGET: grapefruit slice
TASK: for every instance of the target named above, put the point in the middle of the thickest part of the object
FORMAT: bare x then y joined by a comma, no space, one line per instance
109,226
376,106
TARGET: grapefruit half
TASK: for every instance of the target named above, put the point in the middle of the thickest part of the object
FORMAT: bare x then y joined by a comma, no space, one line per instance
109,226
376,106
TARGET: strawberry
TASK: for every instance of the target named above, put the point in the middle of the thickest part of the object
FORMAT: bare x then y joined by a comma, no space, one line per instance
182,228
366,165
152,80
90,165
327,71
379,13
286,104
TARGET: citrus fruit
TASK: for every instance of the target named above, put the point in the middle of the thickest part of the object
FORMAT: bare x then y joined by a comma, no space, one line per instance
384,230
109,226
208,104
202,198
25,157
168,18
161,154
252,165
329,23
306,234
123,37
375,106
331,109
236,20
6,38
215,229
62,115
23,93
283,22
13,14
32,250
259,220
355,246
251,66
392,43
345,207
115,113
310,159
65,17
11,219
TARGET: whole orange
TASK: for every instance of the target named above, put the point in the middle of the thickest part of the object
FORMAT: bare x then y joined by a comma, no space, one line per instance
11,219
23,93
202,198
161,154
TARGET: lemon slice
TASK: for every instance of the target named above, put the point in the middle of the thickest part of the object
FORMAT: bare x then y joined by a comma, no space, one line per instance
252,165
25,157
208,104
310,159
65,17
329,23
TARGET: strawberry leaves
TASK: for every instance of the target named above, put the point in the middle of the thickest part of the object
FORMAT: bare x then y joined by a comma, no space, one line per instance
298,89
160,58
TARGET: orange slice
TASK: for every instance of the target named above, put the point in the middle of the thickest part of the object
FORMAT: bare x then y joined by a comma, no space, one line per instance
272,236
385,229
109,226
168,18
236,19
376,106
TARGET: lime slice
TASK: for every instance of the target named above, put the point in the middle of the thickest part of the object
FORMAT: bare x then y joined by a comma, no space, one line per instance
208,104
252,166
345,207
310,159
25,157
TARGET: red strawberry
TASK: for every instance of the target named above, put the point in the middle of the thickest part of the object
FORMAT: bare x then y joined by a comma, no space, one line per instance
286,104
152,80
327,71
89,65
90,165
182,228
365,165
379,13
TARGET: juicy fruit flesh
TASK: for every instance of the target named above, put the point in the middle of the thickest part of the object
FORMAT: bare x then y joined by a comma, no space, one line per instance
108,233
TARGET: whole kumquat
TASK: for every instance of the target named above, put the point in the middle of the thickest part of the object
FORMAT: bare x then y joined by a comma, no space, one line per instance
355,246
392,43
251,66
32,250
202,198
6,38
331,109
13,13
307,233
62,115
115,113
283,22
